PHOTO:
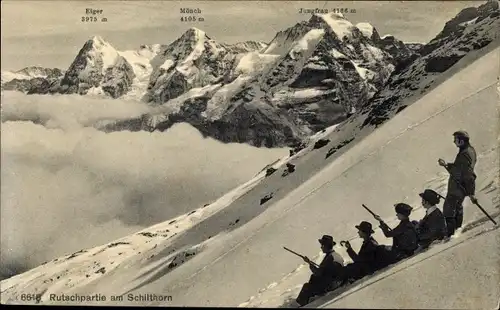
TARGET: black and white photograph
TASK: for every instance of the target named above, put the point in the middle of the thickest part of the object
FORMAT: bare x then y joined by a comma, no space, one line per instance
251,154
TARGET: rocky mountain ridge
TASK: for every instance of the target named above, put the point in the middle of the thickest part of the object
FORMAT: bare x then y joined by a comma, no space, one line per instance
459,37
312,75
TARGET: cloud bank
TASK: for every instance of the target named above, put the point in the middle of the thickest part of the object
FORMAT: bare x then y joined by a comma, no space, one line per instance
67,186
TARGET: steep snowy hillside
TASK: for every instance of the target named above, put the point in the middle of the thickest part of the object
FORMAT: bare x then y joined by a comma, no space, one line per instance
235,244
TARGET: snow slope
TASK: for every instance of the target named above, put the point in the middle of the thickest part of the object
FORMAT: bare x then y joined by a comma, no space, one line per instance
476,254
140,62
237,246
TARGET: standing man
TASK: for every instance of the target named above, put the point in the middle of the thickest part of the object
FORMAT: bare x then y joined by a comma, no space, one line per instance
462,181
323,277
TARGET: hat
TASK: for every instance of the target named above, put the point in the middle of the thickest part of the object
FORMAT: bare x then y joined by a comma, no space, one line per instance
403,208
327,240
365,227
461,134
430,196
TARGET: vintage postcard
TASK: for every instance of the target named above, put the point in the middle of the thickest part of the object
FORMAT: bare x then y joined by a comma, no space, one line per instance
268,154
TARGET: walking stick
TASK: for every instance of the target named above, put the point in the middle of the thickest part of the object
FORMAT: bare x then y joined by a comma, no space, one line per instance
375,216
301,256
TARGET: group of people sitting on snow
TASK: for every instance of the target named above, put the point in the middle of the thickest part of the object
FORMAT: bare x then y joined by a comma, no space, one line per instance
409,237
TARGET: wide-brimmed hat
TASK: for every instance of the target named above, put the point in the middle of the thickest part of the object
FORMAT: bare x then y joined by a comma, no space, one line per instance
430,196
403,208
327,240
365,227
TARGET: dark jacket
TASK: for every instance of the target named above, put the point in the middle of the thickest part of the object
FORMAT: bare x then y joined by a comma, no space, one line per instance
404,237
367,253
462,169
431,227
328,269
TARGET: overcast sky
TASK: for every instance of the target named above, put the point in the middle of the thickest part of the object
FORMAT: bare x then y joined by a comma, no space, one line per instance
50,33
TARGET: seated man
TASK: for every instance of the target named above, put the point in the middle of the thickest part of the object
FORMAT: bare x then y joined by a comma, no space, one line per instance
323,278
404,236
433,226
365,261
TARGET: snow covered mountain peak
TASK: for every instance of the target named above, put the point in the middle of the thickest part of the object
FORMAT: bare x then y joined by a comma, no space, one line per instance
98,41
283,40
196,32
29,73
98,68
194,35
193,60
330,22
311,75
340,25
103,51
366,29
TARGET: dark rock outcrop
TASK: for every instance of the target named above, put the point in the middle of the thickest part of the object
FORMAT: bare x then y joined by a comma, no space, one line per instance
441,64
118,78
266,198
270,171
320,143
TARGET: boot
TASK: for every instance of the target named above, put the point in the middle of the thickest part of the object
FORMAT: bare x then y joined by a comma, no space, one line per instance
460,217
451,225
304,295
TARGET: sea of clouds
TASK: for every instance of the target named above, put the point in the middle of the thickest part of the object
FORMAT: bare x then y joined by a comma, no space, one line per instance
66,186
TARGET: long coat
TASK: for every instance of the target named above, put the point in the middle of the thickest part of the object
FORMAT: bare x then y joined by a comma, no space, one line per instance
431,227
366,261
404,237
328,271
326,277
462,169
328,268
367,254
